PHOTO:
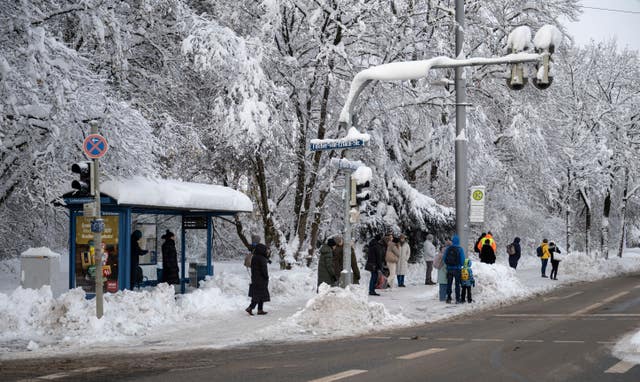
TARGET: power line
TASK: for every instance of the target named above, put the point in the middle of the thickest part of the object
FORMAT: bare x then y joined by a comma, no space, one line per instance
612,10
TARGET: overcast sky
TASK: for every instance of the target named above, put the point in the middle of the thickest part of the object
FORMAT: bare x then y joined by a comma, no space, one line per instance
600,25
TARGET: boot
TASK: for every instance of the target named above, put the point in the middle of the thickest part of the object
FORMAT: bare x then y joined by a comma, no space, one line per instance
250,311
262,312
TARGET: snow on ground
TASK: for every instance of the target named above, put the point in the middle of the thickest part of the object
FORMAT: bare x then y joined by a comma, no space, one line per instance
35,324
628,348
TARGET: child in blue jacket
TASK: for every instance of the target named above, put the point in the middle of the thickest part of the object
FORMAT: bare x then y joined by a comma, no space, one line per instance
467,280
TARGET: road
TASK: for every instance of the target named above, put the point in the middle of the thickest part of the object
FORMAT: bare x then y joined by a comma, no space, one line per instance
566,335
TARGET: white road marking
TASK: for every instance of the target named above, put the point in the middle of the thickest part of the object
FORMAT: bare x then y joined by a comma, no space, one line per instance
335,377
486,340
537,341
568,342
405,338
421,353
51,377
620,367
531,315
563,297
379,338
598,304
606,342
449,339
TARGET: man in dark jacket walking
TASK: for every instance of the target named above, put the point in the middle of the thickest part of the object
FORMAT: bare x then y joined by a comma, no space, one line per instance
374,262
259,287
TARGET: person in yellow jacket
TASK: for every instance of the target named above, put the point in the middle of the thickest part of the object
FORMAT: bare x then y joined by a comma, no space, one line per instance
484,239
544,255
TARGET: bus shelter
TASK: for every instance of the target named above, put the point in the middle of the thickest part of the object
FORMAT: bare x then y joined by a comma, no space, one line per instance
150,206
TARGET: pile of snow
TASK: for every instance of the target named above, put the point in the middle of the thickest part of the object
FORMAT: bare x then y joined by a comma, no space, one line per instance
628,349
338,311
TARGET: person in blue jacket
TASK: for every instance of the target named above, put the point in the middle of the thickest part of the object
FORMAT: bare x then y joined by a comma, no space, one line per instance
453,259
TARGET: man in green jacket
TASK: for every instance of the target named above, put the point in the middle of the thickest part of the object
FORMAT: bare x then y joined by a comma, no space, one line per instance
326,273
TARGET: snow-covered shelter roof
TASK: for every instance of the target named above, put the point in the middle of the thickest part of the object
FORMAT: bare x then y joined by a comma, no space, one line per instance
175,194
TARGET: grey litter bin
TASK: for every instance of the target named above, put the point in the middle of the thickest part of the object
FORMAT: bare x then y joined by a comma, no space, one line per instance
39,267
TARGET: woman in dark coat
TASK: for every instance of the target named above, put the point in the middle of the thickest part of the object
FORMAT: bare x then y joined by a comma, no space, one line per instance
136,252
259,287
169,259
487,255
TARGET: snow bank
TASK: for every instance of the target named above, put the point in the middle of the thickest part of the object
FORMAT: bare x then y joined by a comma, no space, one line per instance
337,311
628,349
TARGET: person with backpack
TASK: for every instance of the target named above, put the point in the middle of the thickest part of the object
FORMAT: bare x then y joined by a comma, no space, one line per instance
453,259
487,253
429,251
478,245
484,239
543,253
555,260
438,263
514,252
467,281
375,254
326,272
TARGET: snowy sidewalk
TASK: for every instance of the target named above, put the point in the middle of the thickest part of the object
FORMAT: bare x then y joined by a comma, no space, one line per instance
34,324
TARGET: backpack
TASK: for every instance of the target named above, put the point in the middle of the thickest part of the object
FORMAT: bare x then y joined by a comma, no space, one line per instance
539,251
452,257
464,274
511,249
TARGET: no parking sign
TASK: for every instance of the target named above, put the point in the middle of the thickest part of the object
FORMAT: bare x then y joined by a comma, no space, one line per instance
95,146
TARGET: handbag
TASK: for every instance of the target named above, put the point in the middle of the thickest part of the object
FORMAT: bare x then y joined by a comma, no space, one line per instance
382,281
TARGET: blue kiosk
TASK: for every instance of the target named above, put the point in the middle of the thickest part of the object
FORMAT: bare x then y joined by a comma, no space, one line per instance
150,206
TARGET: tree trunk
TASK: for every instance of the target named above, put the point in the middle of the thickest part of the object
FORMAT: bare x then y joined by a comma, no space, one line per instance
604,238
623,212
271,235
587,224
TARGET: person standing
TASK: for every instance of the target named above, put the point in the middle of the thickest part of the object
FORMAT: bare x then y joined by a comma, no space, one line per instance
544,255
483,240
136,252
338,253
429,255
555,260
453,259
169,259
487,253
392,257
403,262
374,262
438,263
467,281
478,245
259,287
514,251
326,272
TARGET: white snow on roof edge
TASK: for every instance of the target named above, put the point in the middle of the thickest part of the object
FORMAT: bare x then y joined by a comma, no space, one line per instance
171,193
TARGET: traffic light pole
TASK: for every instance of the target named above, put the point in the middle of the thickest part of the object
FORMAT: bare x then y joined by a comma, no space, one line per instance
346,276
97,233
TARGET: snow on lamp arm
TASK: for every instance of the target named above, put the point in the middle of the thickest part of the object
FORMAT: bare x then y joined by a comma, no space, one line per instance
545,41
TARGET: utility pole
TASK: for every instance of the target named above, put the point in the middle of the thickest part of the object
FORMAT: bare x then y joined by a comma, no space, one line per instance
462,219
346,276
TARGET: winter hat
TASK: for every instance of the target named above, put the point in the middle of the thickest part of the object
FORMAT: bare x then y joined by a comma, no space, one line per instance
331,242
255,239
136,235
167,235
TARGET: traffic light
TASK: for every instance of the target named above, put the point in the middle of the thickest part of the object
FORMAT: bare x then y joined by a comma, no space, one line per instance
543,78
358,192
84,185
517,79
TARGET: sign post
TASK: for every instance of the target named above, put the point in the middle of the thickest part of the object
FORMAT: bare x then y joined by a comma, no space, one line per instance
94,147
478,196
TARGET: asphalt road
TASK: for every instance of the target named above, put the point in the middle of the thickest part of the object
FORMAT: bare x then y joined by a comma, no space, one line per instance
563,336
